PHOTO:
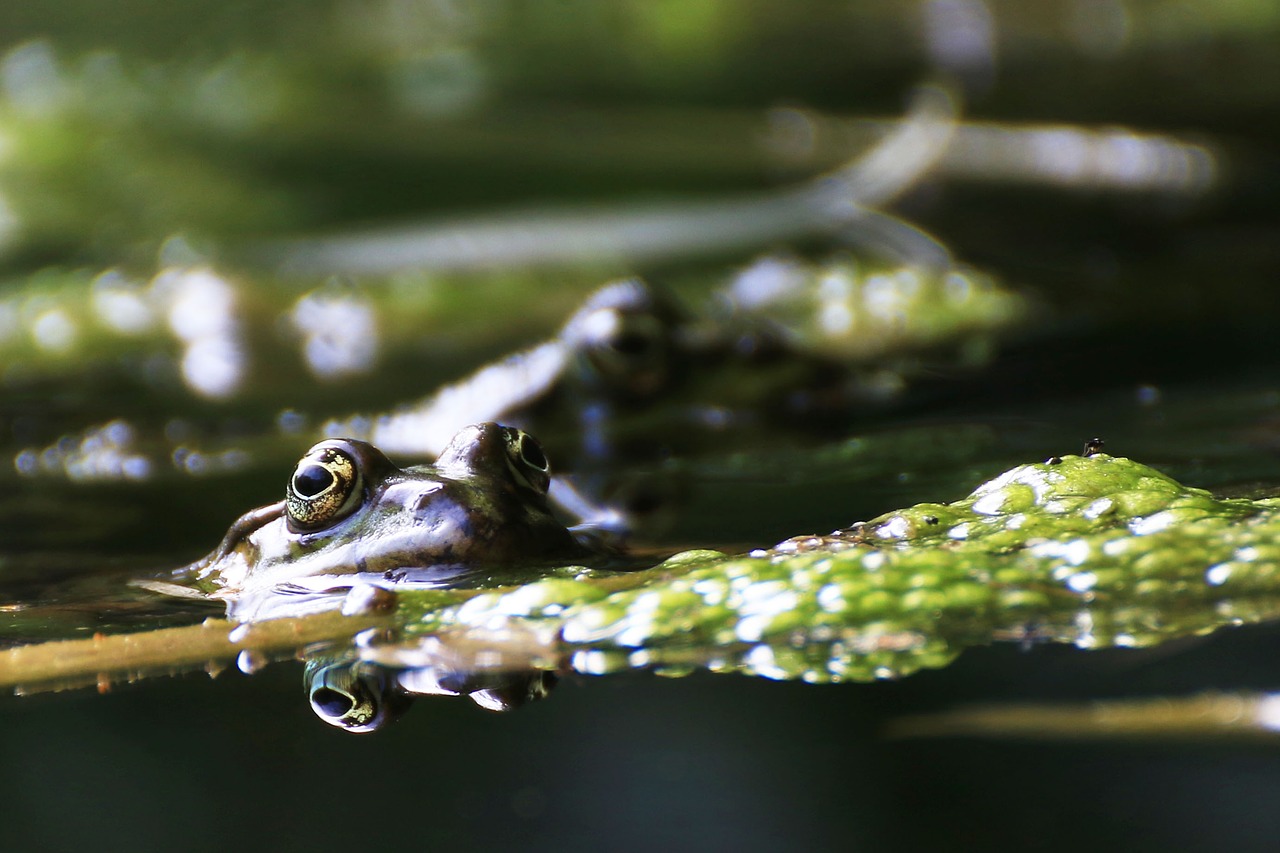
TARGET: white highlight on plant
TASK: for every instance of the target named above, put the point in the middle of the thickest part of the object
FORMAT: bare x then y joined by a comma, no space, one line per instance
1082,582
895,528
830,598
1267,712
761,603
761,660
54,331
201,313
1218,575
339,333
102,453
989,504
1152,523
1098,508
122,305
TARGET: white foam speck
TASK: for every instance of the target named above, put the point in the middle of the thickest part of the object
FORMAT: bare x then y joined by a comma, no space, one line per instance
1082,581
1098,508
989,504
1218,575
1151,523
895,528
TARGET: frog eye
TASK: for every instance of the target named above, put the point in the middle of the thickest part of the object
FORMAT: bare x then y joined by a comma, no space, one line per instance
526,460
630,353
351,709
624,335
325,488
351,698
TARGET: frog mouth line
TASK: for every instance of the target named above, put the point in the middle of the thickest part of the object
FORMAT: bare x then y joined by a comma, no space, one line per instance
320,593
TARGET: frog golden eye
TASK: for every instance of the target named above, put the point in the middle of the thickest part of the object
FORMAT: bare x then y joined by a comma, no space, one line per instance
526,460
324,488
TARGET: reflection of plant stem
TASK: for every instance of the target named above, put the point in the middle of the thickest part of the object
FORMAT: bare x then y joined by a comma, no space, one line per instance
104,658
1205,715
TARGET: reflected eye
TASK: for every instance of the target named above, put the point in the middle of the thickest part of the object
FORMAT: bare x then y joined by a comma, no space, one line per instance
355,708
351,697
324,488
345,708
526,460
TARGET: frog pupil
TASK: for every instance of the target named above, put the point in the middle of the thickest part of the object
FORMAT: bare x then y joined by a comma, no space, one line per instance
312,480
632,344
332,703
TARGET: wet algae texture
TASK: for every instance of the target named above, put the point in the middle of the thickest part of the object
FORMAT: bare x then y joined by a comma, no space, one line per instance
1099,551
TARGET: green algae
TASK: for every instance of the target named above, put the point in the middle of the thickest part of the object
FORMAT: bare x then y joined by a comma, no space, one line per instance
860,311
1098,551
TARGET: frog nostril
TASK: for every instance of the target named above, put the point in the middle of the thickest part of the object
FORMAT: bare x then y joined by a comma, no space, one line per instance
423,504
531,453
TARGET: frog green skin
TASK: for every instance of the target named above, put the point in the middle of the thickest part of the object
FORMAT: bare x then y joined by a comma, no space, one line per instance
351,516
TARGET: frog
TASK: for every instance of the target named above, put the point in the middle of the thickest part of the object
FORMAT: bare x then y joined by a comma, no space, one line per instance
625,345
351,517
637,374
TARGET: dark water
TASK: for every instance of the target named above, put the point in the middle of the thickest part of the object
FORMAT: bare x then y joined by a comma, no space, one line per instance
1154,330
637,762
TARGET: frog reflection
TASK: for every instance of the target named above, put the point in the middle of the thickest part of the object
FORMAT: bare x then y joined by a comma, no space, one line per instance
351,516
630,370
781,341
361,696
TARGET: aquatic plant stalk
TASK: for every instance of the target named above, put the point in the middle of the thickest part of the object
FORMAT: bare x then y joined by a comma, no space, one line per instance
835,202
213,643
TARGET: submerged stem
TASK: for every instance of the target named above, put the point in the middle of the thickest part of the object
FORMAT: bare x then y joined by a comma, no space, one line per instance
211,644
